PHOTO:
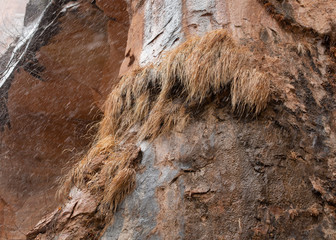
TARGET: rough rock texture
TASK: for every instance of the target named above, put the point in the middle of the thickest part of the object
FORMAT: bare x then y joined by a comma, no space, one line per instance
222,177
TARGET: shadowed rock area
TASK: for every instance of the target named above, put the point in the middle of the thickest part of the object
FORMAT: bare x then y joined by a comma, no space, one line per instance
222,174
51,101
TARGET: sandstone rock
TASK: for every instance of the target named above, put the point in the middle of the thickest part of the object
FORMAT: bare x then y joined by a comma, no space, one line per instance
225,175
50,118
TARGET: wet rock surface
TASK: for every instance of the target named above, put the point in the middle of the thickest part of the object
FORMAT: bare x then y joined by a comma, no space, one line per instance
224,176
233,180
33,9
47,112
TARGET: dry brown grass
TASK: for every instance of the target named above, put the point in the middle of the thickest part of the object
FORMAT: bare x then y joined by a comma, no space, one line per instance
158,98
110,177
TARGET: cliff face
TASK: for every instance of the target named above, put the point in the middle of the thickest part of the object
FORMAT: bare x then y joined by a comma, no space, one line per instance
34,8
49,105
229,171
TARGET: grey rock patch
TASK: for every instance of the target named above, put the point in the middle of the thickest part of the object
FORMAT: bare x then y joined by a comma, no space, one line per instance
136,217
34,9
163,28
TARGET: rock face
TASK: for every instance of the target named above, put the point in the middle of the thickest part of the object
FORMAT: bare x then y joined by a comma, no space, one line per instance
225,175
33,9
50,112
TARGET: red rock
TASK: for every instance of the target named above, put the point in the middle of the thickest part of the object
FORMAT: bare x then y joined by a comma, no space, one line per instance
223,176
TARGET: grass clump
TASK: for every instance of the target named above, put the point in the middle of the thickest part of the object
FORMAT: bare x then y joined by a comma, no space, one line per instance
155,99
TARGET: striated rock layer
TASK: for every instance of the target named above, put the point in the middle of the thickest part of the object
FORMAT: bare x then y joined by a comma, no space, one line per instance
223,175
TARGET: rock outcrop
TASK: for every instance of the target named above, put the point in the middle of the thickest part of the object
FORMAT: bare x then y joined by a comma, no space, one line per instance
34,8
50,104
255,173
